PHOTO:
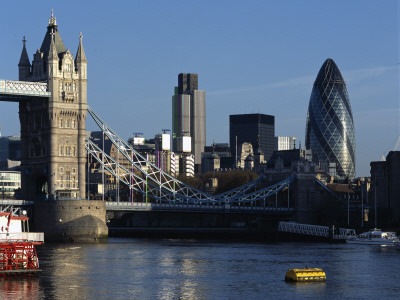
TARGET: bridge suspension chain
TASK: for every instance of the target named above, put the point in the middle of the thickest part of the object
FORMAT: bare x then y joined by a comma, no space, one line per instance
162,187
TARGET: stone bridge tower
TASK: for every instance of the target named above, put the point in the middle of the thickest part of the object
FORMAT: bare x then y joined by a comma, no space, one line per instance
53,155
53,130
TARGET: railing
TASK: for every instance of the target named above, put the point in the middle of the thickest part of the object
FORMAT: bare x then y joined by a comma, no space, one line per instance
314,230
33,237
25,88
16,202
141,206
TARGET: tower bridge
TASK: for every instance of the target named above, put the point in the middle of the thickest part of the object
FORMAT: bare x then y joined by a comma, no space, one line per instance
52,97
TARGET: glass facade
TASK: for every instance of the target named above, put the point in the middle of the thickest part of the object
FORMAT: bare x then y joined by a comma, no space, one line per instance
330,128
256,129
9,182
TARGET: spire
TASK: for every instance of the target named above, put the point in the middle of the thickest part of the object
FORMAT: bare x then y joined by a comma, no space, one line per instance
24,60
80,54
52,20
52,27
53,55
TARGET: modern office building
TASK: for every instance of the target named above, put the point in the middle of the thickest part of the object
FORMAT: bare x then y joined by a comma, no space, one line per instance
330,128
10,147
256,129
10,182
285,143
189,114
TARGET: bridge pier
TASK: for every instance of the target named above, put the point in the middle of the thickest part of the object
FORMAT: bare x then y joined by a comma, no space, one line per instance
71,220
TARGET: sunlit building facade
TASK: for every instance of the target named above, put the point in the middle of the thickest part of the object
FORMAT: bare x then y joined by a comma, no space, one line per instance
330,127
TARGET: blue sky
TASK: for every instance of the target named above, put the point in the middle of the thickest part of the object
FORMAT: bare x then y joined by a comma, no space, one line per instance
251,57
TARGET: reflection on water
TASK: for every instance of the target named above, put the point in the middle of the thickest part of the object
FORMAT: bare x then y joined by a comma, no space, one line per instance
21,287
190,269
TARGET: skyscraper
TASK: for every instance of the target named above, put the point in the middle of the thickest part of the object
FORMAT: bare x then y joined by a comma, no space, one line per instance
257,129
330,127
189,114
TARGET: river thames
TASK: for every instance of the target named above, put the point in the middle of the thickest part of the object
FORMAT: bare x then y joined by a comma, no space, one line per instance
128,268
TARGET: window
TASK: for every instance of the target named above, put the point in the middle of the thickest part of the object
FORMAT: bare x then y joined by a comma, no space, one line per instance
61,123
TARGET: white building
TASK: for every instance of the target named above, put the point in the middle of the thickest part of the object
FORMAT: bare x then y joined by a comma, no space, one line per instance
284,143
9,182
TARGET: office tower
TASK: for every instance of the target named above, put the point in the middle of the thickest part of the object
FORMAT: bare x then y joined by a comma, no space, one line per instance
284,143
189,114
257,129
330,128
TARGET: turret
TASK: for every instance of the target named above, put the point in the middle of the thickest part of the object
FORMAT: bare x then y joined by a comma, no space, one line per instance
52,66
80,60
24,65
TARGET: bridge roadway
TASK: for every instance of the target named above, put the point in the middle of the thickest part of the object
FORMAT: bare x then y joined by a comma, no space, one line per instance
141,206
11,90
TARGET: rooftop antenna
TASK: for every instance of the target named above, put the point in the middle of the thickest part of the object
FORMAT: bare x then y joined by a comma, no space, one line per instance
165,130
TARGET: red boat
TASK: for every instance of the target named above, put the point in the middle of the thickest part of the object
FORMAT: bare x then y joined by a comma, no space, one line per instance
17,245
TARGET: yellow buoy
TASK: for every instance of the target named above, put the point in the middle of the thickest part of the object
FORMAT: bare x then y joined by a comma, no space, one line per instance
305,275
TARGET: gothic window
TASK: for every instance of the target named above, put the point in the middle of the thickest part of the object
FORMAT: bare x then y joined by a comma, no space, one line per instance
68,68
61,86
68,150
38,122
61,170
36,147
73,152
68,179
61,150
73,170
73,123
73,181
61,123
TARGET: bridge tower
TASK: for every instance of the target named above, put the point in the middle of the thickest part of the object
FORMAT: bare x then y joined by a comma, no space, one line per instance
53,154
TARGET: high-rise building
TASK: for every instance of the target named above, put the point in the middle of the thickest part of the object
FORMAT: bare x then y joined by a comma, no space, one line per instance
256,129
285,143
330,128
189,114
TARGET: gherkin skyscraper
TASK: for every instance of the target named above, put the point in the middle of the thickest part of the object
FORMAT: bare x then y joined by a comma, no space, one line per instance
330,127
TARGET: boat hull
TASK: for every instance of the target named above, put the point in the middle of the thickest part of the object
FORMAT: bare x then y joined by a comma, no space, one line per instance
371,242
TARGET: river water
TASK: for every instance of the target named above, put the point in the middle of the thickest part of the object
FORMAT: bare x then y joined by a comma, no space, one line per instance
132,268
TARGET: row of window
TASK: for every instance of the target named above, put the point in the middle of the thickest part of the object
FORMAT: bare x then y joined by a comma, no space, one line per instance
9,184
68,86
62,170
66,123
66,150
